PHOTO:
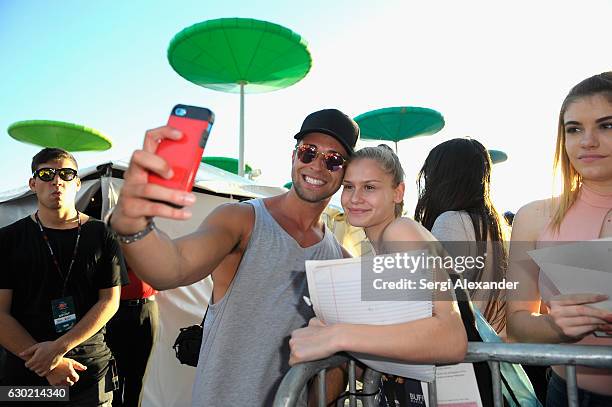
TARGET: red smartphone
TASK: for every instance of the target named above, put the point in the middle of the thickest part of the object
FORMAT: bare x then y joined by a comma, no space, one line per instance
184,155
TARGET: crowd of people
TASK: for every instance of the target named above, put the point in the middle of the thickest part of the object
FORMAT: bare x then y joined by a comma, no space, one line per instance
57,296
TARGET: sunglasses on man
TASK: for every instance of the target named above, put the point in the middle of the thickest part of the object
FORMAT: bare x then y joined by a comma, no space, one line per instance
47,174
307,153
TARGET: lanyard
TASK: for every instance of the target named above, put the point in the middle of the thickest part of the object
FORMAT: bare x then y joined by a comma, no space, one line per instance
76,246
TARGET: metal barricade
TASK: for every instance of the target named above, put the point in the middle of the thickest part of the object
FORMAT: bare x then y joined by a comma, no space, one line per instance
493,353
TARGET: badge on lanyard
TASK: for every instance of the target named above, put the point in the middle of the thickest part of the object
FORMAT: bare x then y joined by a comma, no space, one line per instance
64,315
62,309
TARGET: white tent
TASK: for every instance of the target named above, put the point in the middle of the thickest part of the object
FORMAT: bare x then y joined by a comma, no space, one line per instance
167,383
107,179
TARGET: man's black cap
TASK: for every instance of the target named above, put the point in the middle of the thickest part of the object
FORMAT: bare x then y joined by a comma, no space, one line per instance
333,123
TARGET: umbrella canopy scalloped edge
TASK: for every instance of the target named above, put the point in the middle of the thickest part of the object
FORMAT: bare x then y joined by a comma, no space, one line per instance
273,80
228,164
49,133
497,156
369,132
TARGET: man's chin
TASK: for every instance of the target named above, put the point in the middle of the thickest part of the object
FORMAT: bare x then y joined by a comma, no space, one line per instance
56,204
311,196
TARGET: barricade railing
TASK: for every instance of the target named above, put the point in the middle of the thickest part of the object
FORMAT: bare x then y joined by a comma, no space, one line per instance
524,353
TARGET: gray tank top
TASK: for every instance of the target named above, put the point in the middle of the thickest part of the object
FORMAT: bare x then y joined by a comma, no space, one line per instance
245,346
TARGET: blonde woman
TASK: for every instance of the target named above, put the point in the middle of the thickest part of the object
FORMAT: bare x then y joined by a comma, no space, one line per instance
372,198
582,212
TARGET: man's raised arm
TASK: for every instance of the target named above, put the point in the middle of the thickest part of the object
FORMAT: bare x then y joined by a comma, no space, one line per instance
154,257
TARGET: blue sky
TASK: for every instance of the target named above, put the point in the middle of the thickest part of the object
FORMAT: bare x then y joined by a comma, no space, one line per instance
497,72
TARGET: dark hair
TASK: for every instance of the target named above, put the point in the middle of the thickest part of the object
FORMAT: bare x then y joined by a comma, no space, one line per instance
456,176
51,154
389,162
595,85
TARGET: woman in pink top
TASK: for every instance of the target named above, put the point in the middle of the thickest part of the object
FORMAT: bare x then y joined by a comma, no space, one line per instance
583,211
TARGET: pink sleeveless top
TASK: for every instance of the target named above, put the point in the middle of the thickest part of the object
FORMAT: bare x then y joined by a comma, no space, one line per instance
583,221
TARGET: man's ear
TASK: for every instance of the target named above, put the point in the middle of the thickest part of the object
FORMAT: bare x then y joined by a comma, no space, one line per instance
78,182
31,184
398,193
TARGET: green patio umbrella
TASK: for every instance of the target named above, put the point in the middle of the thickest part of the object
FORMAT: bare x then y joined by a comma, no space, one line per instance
225,163
498,156
69,136
399,123
288,185
240,55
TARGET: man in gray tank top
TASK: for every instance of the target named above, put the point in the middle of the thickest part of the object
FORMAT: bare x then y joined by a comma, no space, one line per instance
255,252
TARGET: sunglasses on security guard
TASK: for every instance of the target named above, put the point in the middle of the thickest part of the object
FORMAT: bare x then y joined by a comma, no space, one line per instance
307,153
47,174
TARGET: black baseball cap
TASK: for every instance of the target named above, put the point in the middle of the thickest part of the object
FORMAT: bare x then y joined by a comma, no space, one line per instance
333,123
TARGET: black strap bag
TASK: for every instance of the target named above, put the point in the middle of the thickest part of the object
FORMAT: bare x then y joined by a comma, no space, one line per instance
188,343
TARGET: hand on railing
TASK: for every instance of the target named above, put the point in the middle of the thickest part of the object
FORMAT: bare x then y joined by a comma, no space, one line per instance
313,342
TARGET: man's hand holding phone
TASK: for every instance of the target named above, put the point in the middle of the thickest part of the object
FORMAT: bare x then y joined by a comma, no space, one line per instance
160,176
140,199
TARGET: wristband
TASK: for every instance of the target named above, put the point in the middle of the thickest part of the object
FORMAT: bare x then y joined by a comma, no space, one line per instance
134,237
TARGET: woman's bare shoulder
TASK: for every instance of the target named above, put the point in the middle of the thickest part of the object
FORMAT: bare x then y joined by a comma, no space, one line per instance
532,218
406,229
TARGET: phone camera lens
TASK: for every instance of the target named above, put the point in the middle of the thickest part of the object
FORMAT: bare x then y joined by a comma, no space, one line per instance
179,111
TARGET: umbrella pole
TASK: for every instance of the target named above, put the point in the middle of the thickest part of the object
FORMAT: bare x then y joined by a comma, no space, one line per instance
396,148
241,140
